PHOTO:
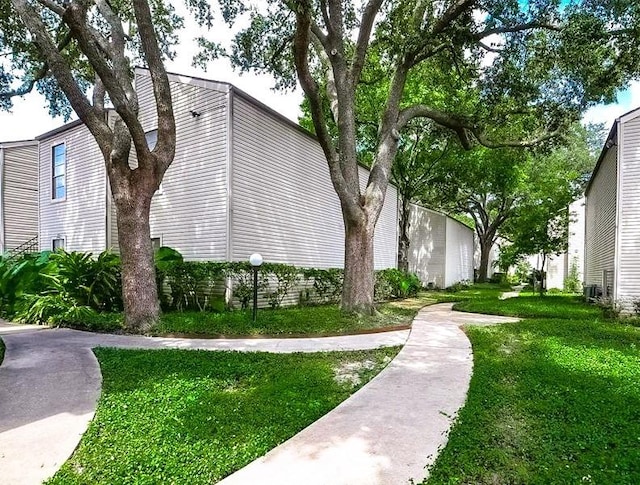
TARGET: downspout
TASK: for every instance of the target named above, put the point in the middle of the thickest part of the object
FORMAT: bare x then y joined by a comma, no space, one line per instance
107,205
619,181
2,234
228,294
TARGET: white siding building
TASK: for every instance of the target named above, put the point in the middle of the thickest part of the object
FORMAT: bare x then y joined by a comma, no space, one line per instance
612,228
18,195
244,179
440,248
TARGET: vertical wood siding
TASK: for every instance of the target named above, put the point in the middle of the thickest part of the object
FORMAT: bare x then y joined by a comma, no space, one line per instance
283,204
628,278
81,217
601,221
459,252
189,213
20,193
427,245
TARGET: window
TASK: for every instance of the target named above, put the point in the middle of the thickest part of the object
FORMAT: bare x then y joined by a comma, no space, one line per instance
152,138
58,172
57,244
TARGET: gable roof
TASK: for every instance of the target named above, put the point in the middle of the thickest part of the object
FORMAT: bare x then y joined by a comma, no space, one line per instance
611,141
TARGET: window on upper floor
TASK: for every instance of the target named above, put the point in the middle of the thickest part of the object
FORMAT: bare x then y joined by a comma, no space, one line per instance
58,172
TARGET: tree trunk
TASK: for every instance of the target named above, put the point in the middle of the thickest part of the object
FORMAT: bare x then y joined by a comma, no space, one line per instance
485,252
403,237
359,277
139,291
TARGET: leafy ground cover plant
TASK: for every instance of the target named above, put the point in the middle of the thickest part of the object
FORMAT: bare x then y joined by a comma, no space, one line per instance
553,399
175,416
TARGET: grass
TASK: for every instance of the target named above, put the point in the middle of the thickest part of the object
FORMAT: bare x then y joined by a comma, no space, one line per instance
175,416
284,322
553,399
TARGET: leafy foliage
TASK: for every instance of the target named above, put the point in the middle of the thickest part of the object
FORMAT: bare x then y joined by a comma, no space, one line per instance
327,285
175,416
283,278
553,399
394,283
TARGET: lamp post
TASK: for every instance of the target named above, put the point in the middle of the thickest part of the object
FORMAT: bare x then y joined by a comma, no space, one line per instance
255,260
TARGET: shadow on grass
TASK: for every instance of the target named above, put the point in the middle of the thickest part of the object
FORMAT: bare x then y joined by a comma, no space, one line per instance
551,401
169,416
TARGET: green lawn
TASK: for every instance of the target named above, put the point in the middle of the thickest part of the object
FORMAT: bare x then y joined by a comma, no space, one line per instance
553,399
194,417
284,322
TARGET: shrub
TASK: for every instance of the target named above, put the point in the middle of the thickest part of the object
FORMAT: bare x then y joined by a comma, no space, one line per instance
285,278
193,283
610,307
572,283
394,283
459,286
165,258
94,283
22,276
327,285
242,274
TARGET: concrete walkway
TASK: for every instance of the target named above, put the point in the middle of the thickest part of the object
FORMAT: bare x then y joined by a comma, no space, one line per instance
384,434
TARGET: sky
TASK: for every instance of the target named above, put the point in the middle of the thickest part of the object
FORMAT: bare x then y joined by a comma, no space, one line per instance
29,117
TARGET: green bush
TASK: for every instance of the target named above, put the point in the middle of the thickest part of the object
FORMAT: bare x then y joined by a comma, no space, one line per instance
327,285
394,283
241,273
193,283
165,258
285,278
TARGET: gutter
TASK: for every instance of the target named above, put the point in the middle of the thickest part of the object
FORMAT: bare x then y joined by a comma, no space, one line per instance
228,292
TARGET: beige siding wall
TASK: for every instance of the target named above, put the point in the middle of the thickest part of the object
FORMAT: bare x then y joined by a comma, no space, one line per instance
81,217
19,193
283,203
628,264
601,221
459,252
427,239
189,213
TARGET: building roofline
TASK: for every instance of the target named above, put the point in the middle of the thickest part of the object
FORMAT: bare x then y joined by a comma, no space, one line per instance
213,84
60,129
18,143
610,142
442,213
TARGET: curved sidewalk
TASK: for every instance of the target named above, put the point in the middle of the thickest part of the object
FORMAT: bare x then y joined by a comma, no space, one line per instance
50,383
383,434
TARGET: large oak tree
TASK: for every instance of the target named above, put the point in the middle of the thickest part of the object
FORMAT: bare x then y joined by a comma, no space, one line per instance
533,65
63,48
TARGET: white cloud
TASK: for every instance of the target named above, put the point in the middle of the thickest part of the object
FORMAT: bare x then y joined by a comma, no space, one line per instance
607,113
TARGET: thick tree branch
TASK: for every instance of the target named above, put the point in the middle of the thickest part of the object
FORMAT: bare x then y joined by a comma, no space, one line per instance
62,72
301,44
164,150
515,28
362,44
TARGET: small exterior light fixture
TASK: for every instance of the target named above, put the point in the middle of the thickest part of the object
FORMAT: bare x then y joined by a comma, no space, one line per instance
256,261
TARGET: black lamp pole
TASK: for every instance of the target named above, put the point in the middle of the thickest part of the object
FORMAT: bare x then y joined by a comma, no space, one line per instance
255,260
255,293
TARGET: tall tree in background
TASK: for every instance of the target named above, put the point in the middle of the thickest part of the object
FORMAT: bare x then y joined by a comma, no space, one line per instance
531,66
520,195
64,47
